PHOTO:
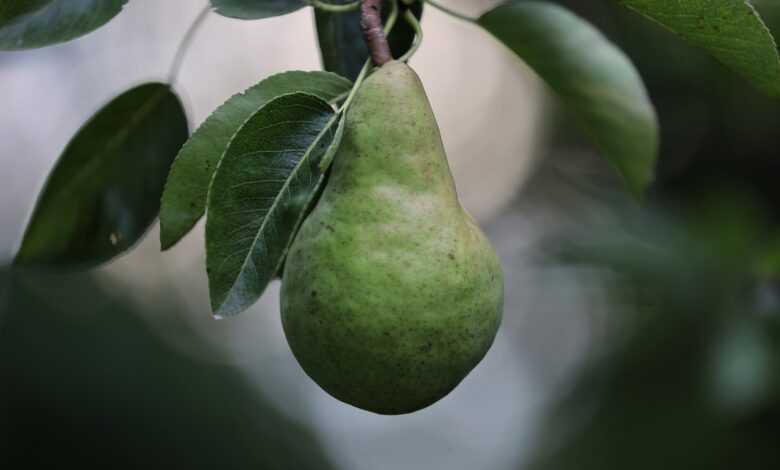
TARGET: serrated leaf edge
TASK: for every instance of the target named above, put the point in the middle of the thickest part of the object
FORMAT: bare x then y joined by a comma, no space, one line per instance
219,310
233,98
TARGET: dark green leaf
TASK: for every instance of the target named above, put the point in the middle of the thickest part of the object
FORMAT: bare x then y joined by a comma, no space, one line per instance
54,21
104,191
592,77
341,40
730,30
12,9
260,194
256,9
184,199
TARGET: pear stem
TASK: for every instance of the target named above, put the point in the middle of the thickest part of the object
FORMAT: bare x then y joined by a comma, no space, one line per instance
373,32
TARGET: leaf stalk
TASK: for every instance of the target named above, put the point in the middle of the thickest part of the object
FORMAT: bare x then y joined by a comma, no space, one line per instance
185,43
412,20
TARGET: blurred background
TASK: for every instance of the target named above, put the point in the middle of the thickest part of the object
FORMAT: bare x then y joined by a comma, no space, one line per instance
634,336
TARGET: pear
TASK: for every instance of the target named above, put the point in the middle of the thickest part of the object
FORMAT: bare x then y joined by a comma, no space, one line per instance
391,294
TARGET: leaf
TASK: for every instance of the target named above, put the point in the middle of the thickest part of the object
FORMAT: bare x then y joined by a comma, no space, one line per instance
256,9
341,40
104,191
10,10
730,30
591,76
260,194
53,21
184,199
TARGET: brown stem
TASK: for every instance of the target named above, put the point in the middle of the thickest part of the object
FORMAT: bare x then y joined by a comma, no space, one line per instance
373,33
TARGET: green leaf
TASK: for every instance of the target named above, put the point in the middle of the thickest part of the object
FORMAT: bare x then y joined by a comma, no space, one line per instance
104,191
41,23
256,9
592,77
184,199
10,9
341,40
730,30
260,194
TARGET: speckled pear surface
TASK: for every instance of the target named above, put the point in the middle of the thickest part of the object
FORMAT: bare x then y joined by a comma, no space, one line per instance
391,294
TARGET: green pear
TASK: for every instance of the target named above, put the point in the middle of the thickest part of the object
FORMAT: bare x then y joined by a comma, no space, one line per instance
391,294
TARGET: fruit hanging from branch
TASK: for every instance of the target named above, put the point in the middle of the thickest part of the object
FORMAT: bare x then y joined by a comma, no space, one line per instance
391,293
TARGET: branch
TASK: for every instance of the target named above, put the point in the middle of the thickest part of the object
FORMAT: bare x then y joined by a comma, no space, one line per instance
373,33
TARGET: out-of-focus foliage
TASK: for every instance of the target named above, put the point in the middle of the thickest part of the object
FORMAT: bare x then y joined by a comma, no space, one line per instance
594,80
730,30
689,374
86,384
715,130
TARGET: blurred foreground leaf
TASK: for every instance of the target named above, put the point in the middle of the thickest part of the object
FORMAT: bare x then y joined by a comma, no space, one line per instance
87,381
687,372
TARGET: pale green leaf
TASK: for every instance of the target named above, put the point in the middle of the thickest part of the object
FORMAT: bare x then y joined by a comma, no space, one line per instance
592,77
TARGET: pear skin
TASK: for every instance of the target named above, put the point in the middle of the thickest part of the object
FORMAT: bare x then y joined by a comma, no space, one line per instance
391,293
